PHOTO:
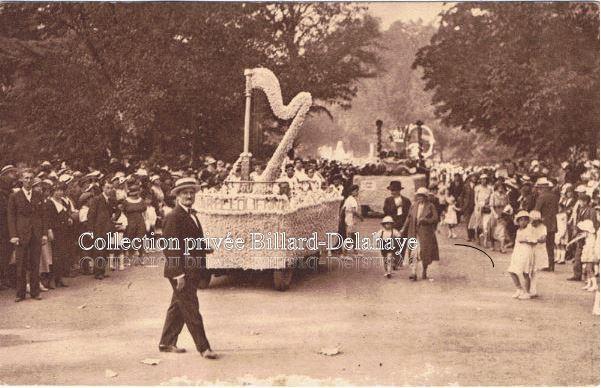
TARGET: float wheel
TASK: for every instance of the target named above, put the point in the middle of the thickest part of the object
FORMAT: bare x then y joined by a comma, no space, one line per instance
282,279
205,280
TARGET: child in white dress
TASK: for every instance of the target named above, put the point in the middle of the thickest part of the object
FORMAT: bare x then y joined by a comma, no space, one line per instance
561,236
450,217
521,257
538,234
386,233
589,261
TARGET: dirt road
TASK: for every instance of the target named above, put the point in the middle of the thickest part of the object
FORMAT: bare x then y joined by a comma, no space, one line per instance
460,328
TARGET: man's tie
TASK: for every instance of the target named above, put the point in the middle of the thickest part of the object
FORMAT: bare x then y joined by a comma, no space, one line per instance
192,213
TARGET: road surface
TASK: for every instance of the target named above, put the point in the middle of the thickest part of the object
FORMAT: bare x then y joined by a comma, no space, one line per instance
462,327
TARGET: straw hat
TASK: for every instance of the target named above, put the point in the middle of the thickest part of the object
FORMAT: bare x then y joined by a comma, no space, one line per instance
422,191
586,225
185,183
543,182
521,214
387,220
7,168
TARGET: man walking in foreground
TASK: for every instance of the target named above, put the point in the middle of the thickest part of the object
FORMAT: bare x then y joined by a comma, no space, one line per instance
184,272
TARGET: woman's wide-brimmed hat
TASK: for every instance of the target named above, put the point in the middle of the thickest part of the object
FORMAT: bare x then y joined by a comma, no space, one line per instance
586,225
185,183
522,214
422,191
543,182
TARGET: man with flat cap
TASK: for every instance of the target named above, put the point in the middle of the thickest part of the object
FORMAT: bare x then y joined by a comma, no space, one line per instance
184,271
397,206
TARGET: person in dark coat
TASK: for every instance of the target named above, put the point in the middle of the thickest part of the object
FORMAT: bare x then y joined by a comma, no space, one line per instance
184,272
58,218
397,206
28,231
134,208
468,204
421,224
7,180
100,223
513,193
527,199
547,203
456,189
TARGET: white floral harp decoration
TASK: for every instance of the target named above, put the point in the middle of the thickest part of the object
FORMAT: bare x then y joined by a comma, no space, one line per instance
259,207
263,79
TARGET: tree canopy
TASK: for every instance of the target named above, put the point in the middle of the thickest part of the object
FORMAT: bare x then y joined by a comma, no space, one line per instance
82,80
526,74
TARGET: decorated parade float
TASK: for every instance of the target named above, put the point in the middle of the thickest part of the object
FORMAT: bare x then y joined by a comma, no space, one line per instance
405,162
267,208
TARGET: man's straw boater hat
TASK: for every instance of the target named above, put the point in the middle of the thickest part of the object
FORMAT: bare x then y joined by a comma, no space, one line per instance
185,183
7,168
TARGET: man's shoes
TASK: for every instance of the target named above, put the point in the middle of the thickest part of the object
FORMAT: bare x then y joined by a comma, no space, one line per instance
574,279
19,299
208,354
547,269
171,349
61,284
413,277
98,277
37,297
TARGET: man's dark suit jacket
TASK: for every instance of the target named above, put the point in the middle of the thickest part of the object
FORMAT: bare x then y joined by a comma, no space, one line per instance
26,219
179,225
100,213
547,204
390,209
57,222
467,201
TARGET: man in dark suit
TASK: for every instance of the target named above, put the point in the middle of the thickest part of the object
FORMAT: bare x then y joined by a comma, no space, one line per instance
184,272
28,231
8,176
547,203
397,206
468,204
100,222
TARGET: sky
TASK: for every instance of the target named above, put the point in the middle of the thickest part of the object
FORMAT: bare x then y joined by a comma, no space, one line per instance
389,12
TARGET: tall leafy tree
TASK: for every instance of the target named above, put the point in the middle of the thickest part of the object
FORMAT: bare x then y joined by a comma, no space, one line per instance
525,73
162,79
